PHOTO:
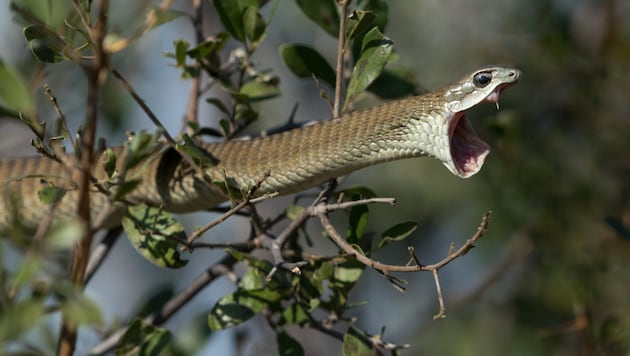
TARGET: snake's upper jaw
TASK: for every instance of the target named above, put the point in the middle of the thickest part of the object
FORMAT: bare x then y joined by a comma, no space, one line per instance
468,151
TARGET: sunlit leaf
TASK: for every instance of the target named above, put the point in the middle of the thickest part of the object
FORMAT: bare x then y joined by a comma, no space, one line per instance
50,194
15,95
143,338
358,222
154,234
64,235
375,52
240,306
198,154
210,45
257,91
158,16
356,343
293,211
138,148
349,272
109,162
294,314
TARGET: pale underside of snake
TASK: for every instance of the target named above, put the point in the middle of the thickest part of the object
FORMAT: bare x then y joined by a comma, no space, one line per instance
433,124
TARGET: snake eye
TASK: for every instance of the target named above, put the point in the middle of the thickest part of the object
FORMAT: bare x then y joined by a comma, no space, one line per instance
482,79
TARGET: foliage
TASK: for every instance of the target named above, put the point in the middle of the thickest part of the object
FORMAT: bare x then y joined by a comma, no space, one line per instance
549,280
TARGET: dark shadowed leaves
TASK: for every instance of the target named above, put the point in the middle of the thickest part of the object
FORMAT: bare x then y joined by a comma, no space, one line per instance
288,346
323,13
306,62
397,232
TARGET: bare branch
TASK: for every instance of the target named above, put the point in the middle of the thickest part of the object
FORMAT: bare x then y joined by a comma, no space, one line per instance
341,44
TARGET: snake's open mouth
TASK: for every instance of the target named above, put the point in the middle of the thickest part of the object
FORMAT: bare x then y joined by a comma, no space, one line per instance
468,151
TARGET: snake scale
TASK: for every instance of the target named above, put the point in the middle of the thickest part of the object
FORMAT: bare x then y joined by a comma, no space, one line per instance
433,124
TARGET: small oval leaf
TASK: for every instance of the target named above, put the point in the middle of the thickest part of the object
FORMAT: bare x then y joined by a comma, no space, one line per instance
375,52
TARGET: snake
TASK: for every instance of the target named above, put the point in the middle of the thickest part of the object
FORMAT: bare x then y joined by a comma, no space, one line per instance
432,124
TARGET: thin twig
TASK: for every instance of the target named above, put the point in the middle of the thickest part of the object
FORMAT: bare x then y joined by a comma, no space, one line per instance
192,108
221,268
442,312
341,44
100,252
249,199
53,101
143,106
384,268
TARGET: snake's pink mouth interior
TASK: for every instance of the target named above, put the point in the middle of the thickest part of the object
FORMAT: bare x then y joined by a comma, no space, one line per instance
468,151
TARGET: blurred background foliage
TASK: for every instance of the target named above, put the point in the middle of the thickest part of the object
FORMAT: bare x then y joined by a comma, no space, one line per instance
552,275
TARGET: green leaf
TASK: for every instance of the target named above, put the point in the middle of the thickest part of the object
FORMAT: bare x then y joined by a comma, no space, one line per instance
293,211
375,52
323,12
380,9
359,192
181,49
348,273
305,62
210,46
358,23
139,148
19,318
253,23
79,309
154,234
199,155
218,104
161,16
63,236
288,346
125,188
240,306
393,83
358,221
50,194
45,44
231,15
15,95
142,338
294,314
109,162
397,232
257,91
356,343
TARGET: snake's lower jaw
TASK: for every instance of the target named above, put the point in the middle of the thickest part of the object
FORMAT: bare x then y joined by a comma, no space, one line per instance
468,151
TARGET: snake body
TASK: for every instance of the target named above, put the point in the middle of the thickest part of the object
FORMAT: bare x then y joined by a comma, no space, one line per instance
433,124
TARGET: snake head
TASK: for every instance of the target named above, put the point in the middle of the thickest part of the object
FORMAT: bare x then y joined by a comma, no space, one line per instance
467,152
